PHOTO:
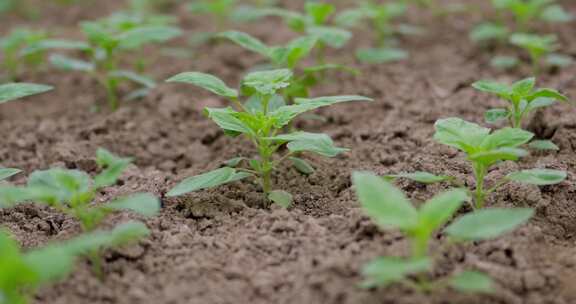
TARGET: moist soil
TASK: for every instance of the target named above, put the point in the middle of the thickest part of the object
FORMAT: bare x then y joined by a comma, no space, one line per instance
221,246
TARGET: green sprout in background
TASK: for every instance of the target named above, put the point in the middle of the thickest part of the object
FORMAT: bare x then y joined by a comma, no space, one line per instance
390,208
485,149
381,18
72,193
108,40
541,50
24,272
261,118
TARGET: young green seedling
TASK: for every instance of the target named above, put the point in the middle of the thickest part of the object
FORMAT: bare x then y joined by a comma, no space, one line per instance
315,22
522,97
290,56
108,40
485,149
391,209
540,48
381,17
261,119
526,12
72,192
24,272
14,91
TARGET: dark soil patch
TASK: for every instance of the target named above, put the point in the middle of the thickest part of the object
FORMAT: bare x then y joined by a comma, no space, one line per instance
217,246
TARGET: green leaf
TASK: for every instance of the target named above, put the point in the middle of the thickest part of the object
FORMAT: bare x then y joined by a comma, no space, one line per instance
540,102
540,177
140,36
386,270
496,155
142,203
438,210
207,82
543,145
488,223
281,197
423,177
472,282
488,31
143,80
384,203
234,162
556,13
332,36
58,185
380,55
507,138
113,166
247,41
10,195
492,87
52,44
71,64
548,93
558,60
226,119
504,62
50,263
524,87
12,91
268,82
302,166
210,179
319,11
8,172
122,234
310,142
460,134
493,116
285,114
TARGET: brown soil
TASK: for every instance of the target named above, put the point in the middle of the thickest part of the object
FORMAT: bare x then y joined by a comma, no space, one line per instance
219,246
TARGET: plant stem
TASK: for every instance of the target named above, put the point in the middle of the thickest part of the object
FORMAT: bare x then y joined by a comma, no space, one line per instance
479,173
111,88
96,261
420,245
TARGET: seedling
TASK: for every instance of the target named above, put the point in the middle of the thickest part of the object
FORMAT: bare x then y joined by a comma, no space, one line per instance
11,92
484,150
110,39
72,192
540,48
315,22
380,17
24,272
522,98
261,119
391,209
528,11
291,57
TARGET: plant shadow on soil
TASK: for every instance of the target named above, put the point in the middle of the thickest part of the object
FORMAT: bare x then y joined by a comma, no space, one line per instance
218,246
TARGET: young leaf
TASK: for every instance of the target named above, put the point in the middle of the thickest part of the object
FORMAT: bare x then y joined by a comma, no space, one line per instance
543,145
492,87
380,55
332,36
226,119
8,172
302,166
268,82
460,134
386,270
12,91
493,156
472,282
488,223
205,81
139,36
383,202
523,87
281,197
247,42
438,210
120,235
507,138
310,142
540,177
423,177
142,203
113,168
71,64
207,180
493,116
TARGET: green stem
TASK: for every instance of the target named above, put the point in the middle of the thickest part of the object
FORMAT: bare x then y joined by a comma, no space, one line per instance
420,245
479,194
111,91
96,261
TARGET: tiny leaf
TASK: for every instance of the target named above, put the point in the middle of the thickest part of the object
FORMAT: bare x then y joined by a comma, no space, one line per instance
488,223
207,180
540,177
205,81
281,197
472,282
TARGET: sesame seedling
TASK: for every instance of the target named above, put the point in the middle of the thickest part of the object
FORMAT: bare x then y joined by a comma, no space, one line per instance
261,119
72,193
527,12
315,22
541,50
391,209
111,39
24,272
484,149
380,17
522,97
